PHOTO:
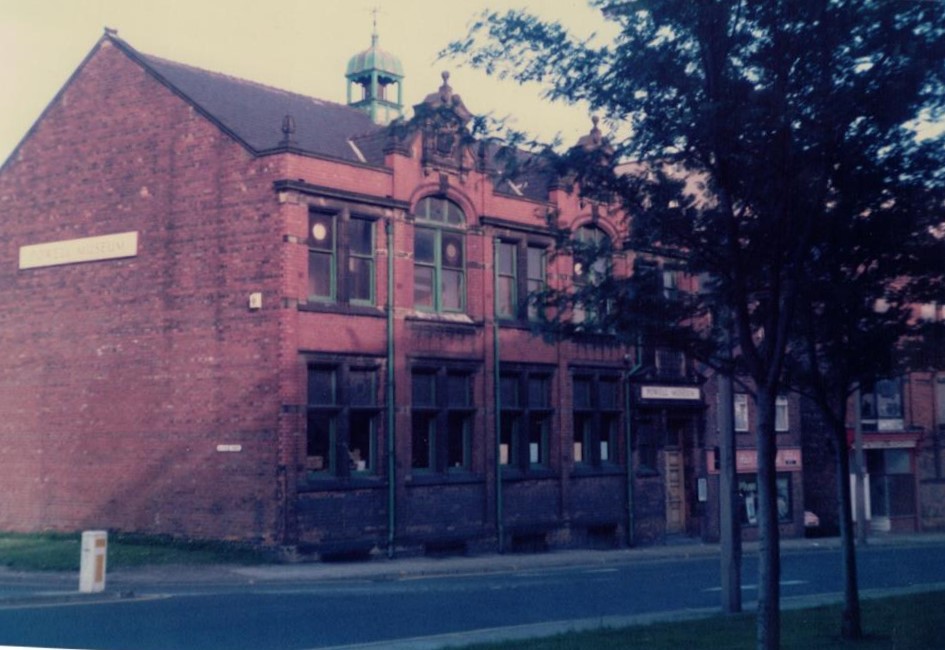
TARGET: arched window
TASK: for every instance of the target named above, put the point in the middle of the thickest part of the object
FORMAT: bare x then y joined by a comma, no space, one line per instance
439,253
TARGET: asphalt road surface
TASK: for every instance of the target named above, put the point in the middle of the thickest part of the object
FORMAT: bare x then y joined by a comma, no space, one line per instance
298,615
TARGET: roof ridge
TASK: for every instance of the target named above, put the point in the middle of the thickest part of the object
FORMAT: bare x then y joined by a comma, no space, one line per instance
153,58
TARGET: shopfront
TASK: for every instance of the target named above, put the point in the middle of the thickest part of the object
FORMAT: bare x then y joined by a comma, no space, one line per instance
789,486
889,481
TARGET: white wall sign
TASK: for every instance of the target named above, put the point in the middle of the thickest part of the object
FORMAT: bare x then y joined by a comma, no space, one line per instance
85,249
669,392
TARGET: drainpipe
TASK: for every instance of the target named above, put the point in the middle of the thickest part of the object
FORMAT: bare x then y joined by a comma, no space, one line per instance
497,387
628,440
391,420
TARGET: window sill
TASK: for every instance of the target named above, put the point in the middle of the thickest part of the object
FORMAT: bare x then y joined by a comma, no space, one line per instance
520,324
516,474
582,470
442,318
341,308
448,478
329,483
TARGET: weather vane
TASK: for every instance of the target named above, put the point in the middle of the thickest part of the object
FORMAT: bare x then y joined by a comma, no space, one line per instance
376,10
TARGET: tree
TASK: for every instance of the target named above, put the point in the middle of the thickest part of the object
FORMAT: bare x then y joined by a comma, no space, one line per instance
763,106
876,258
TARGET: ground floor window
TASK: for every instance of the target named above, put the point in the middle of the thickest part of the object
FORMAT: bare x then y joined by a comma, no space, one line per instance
748,495
891,481
525,396
596,417
341,418
442,412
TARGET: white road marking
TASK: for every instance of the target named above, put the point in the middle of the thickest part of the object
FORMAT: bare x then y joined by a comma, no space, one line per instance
784,583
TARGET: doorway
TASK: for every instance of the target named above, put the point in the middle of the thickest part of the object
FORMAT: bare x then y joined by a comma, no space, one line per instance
675,492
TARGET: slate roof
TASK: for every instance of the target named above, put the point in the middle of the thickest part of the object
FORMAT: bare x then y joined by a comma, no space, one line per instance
253,113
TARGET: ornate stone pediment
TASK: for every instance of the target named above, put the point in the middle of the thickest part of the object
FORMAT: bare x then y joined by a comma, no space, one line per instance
441,121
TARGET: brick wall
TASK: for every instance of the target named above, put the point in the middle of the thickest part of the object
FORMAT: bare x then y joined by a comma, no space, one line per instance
121,377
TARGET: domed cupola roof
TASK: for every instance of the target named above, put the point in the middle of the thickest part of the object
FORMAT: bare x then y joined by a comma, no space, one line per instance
376,72
375,59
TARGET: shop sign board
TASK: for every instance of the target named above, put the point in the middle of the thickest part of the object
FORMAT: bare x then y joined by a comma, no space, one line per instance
788,459
670,392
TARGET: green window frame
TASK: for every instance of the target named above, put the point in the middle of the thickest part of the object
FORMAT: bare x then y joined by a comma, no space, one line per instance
520,273
442,412
507,280
439,256
322,257
596,417
592,265
361,263
536,278
525,419
341,419
341,258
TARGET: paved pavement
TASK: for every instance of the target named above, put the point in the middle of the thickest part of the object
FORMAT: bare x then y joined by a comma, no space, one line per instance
25,589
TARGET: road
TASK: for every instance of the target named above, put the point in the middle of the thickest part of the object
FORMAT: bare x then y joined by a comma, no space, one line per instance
302,615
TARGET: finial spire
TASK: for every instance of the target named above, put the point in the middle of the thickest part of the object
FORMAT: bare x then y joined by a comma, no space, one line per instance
374,13
288,130
595,132
595,140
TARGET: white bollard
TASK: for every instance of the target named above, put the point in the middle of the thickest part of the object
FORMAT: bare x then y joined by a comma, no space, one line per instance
92,566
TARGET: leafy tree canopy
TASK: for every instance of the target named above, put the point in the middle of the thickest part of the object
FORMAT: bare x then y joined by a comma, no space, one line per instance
769,133
771,146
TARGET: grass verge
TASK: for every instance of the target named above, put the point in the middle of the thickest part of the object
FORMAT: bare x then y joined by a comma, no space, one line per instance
61,551
913,622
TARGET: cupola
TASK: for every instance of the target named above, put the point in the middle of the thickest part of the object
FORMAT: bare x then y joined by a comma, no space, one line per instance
376,71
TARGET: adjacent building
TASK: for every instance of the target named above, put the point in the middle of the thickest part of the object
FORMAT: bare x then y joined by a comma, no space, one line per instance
902,423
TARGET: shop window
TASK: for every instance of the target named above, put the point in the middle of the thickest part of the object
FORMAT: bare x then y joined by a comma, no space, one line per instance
439,256
748,495
442,412
340,259
891,482
525,418
596,417
341,419
781,422
741,412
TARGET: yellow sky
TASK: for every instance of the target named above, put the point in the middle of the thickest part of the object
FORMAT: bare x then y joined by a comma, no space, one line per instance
298,45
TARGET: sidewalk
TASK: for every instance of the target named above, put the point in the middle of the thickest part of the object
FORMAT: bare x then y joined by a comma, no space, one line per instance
24,588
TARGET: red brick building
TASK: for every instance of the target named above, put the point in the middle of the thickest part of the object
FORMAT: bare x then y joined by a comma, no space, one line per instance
236,312
903,429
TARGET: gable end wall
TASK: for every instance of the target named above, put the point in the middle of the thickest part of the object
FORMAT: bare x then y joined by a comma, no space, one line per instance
121,378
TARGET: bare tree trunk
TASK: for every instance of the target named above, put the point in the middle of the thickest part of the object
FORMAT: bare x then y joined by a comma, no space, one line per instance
730,537
768,623
851,624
